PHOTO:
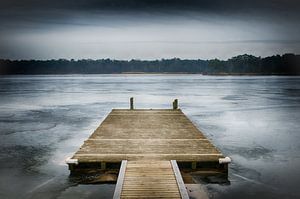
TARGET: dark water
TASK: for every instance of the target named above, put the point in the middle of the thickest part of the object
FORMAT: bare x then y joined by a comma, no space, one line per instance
254,120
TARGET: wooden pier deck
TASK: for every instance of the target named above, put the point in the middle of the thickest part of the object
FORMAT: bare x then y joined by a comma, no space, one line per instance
149,140
147,134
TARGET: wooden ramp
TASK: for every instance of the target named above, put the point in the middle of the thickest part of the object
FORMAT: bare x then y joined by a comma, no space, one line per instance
150,179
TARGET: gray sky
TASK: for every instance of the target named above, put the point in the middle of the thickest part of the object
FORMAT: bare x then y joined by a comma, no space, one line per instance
147,29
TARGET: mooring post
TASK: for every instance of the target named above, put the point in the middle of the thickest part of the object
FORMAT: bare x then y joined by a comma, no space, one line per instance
175,104
131,103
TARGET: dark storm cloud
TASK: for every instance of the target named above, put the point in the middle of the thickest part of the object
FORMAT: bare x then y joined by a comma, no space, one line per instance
230,6
169,28
16,14
28,13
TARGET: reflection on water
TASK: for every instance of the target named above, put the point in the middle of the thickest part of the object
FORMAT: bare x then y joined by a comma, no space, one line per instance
254,120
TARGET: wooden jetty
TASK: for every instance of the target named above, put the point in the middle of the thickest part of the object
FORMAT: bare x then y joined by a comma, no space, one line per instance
147,144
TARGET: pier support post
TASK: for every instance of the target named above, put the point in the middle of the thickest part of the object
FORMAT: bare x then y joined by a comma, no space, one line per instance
194,165
131,103
103,165
175,104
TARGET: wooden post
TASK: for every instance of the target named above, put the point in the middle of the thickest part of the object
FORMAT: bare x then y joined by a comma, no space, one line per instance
71,167
194,165
103,165
131,103
175,104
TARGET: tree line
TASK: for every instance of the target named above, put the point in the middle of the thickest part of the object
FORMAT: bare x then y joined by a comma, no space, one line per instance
287,64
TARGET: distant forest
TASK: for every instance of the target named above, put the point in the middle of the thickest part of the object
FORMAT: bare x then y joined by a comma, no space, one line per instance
287,64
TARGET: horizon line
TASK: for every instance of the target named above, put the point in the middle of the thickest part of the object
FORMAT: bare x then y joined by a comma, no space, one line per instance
137,59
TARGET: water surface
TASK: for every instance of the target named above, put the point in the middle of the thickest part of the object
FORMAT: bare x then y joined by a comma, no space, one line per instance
254,120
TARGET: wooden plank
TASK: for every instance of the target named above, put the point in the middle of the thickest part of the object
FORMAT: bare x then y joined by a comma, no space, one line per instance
116,157
138,139
160,149
180,183
119,185
150,179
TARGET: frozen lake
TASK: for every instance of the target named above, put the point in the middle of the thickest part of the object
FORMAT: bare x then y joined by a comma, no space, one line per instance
254,120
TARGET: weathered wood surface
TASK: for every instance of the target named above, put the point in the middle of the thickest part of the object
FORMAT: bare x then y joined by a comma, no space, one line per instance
179,180
151,179
142,134
120,182
149,141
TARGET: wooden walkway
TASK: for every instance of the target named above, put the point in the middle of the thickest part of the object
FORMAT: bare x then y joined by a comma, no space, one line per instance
150,179
150,141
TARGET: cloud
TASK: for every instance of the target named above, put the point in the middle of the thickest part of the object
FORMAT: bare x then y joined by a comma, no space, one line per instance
148,28
152,4
39,12
280,7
